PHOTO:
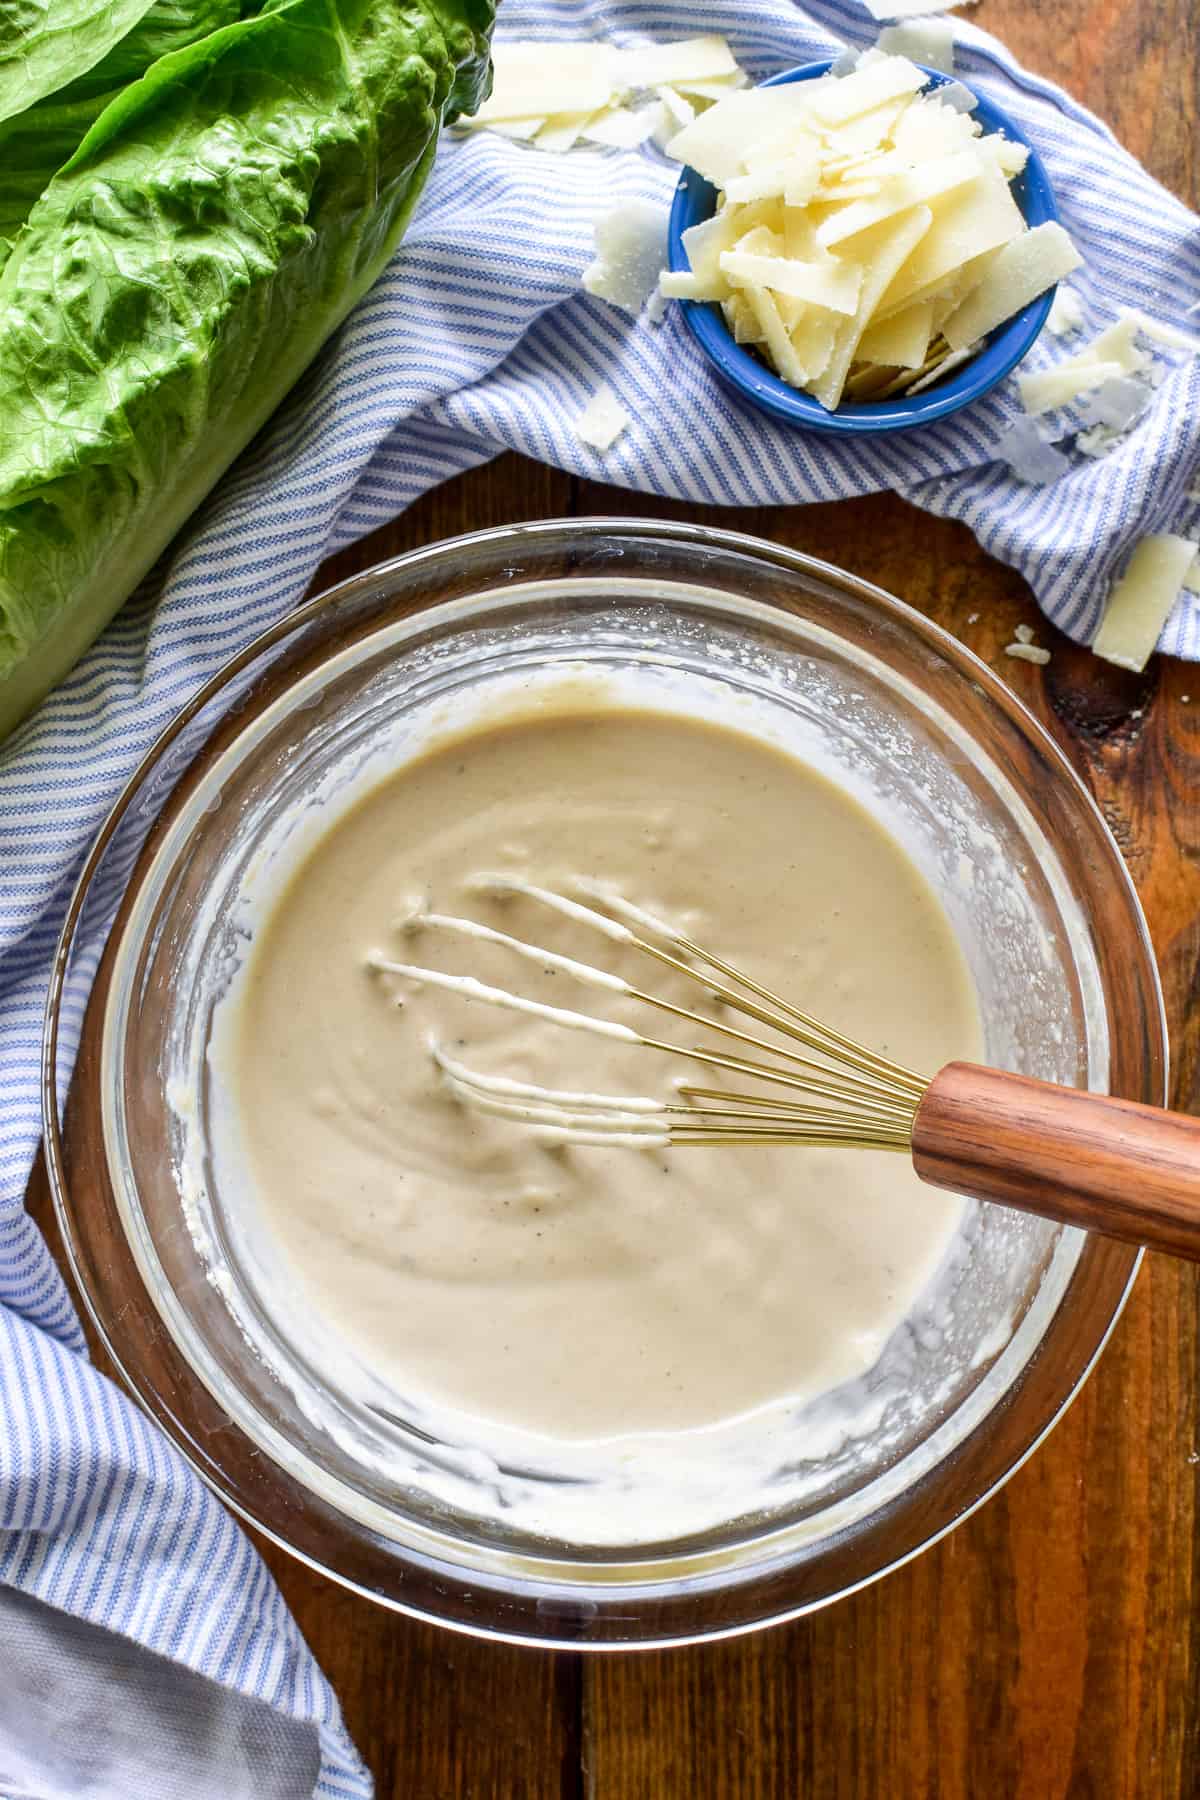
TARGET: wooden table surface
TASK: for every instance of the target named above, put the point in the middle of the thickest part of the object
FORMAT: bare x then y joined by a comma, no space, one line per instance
1051,1645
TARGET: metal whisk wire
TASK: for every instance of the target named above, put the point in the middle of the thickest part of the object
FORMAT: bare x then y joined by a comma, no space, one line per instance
852,1097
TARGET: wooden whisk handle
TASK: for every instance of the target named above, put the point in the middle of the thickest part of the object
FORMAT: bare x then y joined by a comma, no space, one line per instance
1128,1171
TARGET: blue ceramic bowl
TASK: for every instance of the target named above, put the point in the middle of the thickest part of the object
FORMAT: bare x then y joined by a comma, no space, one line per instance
740,369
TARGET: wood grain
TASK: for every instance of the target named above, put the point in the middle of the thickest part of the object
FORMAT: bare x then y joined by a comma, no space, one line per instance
1049,1649
1127,1171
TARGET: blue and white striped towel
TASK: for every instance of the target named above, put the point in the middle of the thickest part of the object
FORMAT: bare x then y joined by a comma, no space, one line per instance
478,339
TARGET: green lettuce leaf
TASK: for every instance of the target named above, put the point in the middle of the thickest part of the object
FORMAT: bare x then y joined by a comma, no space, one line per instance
44,44
37,142
218,220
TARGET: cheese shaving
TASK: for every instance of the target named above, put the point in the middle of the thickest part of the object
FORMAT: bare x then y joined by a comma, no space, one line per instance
1118,404
602,420
1025,268
537,79
1142,600
619,128
656,308
834,286
690,59
902,341
1025,652
1050,389
1066,312
840,101
520,130
929,42
1031,457
712,90
821,185
677,105
562,95
943,366
562,131
1114,352
631,247
1163,333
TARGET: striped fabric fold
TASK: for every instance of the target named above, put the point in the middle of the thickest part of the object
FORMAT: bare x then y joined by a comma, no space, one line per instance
478,339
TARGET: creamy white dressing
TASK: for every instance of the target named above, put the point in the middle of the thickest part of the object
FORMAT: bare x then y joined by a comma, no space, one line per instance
581,1294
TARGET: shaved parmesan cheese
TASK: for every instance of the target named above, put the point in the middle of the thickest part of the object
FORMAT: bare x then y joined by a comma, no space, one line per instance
558,87
1066,312
885,248
1025,268
834,193
761,240
519,129
802,174
539,80
1114,352
715,142
704,244
681,284
1031,457
794,178
1116,344
959,98
866,131
619,128
1142,600
1049,389
1024,652
562,131
954,360
929,127
980,215
1098,441
1010,157
1118,404
691,59
1161,332
901,341
927,41
742,319
857,216
774,334
678,106
867,88
898,194
602,420
631,246
814,337
946,292
832,285
783,139
712,90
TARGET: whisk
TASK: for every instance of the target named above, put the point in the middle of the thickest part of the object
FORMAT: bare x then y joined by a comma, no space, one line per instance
1125,1170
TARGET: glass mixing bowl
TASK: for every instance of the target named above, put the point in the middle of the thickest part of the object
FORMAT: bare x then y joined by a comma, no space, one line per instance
342,1477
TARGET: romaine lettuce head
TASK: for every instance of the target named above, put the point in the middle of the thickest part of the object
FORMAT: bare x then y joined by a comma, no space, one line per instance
36,142
219,219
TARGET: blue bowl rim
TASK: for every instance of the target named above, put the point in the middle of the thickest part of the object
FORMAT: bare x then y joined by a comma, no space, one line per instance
748,376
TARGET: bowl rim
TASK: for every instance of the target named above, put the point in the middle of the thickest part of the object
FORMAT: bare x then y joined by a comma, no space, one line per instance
750,378
366,585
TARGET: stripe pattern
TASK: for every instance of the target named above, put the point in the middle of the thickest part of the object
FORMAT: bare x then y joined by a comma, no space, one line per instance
478,339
